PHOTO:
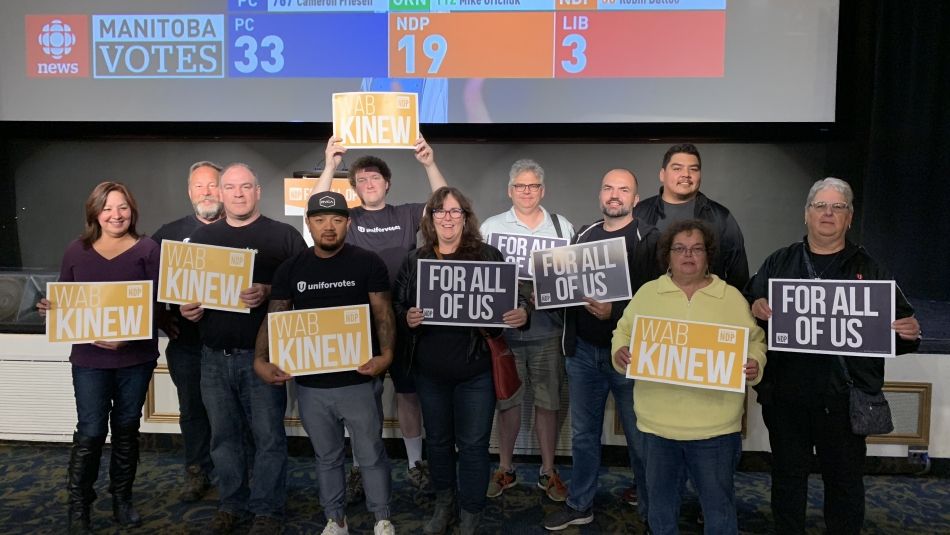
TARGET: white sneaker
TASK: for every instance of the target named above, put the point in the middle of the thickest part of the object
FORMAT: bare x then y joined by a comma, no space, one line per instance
336,529
384,527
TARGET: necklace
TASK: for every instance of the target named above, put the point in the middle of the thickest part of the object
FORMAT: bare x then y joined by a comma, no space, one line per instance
811,267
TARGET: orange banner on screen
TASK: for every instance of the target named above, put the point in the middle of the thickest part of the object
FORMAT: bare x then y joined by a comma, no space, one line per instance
297,192
384,120
207,274
471,45
688,353
83,312
320,340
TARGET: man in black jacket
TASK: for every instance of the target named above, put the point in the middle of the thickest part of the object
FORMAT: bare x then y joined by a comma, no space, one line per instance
679,198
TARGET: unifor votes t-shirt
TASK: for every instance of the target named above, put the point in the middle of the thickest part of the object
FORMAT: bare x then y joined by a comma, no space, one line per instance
274,242
390,232
346,278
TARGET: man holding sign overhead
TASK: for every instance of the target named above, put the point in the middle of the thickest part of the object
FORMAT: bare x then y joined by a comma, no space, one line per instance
805,397
236,399
389,230
537,349
586,343
691,343
335,391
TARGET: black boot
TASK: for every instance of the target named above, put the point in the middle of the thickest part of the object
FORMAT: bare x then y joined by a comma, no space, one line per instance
122,466
80,476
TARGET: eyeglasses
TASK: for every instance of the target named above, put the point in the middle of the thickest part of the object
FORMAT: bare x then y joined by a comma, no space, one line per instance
453,213
836,207
520,188
696,250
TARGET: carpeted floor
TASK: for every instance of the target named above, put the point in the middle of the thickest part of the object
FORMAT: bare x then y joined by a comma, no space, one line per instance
32,500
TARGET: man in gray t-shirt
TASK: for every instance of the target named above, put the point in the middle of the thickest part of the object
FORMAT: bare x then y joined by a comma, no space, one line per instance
389,231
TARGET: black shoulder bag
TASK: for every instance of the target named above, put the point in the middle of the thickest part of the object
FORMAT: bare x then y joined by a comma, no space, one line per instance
870,413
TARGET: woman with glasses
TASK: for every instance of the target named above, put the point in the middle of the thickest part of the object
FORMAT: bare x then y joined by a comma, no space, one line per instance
688,430
110,379
805,397
452,367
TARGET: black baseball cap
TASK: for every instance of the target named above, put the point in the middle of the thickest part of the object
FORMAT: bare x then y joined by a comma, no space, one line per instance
327,201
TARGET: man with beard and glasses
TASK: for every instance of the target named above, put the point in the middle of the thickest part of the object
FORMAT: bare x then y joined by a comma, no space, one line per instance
333,273
588,332
236,399
184,343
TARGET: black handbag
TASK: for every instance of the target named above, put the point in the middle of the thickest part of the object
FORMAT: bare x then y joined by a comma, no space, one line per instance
870,413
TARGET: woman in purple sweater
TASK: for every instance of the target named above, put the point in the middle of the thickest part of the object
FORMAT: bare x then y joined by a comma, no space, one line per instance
110,379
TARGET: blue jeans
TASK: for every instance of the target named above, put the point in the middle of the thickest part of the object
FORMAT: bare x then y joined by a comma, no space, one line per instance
711,465
184,366
237,400
458,413
113,395
324,412
590,376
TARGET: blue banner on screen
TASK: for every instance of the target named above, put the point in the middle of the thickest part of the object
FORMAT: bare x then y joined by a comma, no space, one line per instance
308,45
832,317
465,293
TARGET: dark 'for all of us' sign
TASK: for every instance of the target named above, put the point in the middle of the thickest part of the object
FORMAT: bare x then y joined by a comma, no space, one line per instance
835,317
564,276
466,293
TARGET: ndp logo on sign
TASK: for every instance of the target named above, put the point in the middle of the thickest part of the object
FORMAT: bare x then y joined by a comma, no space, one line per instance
57,46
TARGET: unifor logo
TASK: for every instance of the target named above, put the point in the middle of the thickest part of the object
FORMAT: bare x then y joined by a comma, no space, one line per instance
57,39
301,286
327,201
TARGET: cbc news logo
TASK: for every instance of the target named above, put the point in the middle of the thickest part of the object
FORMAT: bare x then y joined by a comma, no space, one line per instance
57,46
57,39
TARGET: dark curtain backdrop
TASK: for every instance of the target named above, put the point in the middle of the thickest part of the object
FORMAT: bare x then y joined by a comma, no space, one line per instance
906,187
9,238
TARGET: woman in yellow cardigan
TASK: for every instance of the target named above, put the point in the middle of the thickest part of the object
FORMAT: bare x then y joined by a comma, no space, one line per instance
688,430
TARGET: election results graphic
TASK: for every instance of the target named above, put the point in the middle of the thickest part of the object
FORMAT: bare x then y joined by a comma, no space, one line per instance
442,39
57,46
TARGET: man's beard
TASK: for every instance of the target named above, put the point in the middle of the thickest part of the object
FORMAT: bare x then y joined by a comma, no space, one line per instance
333,246
209,213
621,211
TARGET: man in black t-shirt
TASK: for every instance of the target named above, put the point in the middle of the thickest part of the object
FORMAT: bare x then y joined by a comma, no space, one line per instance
184,343
330,274
390,230
235,398
588,330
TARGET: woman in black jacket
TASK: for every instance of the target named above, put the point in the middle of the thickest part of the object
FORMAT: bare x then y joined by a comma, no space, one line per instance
805,397
452,366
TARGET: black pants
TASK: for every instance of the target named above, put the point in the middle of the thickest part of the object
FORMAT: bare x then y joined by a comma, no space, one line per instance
793,431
